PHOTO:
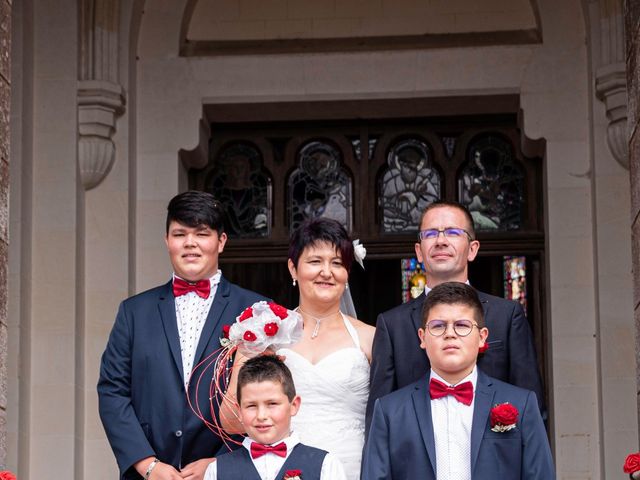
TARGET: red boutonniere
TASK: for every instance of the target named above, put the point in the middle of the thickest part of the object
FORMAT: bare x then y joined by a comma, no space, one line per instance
224,339
503,417
632,463
7,475
293,475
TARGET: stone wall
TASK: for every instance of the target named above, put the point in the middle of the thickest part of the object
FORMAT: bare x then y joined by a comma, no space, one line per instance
278,19
632,33
5,91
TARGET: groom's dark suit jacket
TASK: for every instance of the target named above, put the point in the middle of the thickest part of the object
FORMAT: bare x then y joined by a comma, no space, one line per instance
401,443
142,399
398,360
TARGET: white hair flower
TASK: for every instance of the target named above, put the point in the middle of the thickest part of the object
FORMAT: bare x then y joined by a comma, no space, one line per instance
359,252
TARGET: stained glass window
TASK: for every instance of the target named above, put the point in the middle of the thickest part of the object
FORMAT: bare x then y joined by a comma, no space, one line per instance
409,184
491,185
515,280
357,150
449,144
413,278
320,186
243,186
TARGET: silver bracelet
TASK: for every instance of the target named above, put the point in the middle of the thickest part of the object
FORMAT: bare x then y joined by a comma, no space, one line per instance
151,466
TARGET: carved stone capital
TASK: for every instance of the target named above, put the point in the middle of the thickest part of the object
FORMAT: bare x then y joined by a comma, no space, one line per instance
99,104
611,88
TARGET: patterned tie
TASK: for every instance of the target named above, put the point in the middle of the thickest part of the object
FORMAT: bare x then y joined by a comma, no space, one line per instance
258,449
202,288
463,392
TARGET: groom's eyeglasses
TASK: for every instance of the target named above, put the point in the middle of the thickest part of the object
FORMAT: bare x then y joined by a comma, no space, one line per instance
462,327
449,232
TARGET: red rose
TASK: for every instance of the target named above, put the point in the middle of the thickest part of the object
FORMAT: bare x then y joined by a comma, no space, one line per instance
278,310
270,329
292,474
504,414
7,475
249,336
246,313
632,463
225,334
483,348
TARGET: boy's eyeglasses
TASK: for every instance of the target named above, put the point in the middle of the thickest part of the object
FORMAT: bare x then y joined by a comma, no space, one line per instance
450,232
462,327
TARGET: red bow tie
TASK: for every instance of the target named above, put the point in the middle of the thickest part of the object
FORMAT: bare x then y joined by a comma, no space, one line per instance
463,392
258,449
182,287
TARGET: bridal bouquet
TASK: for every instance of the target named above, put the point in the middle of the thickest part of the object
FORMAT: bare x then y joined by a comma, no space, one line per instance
262,326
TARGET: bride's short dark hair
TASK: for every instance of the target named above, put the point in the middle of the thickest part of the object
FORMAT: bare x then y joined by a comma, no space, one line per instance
317,230
266,368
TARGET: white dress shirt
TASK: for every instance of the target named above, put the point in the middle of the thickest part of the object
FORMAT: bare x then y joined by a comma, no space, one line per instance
452,422
191,315
269,464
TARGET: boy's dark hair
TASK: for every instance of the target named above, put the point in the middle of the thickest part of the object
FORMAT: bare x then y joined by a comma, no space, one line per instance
316,230
194,208
453,293
444,203
265,368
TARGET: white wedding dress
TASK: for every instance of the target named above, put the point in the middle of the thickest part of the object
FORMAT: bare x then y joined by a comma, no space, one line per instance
334,395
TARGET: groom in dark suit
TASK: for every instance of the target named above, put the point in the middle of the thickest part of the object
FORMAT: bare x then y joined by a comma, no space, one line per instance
157,341
445,245
456,423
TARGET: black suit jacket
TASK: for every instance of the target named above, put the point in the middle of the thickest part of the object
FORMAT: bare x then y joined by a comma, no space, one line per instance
142,399
398,360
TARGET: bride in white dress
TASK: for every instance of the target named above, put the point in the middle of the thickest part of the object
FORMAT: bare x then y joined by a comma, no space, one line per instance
330,364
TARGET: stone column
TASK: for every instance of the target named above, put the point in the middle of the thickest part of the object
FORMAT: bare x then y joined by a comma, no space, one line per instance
5,94
632,34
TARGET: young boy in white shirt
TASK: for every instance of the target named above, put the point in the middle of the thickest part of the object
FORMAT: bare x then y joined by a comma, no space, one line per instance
267,398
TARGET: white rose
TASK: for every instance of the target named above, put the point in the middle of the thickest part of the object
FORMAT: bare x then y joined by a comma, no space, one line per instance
359,252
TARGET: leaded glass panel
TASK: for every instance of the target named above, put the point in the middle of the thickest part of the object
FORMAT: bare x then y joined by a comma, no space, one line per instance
409,184
357,150
491,185
449,144
515,279
320,186
243,186
413,278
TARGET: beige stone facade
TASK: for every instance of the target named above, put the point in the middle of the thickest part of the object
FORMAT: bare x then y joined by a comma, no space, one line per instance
102,107
5,101
632,54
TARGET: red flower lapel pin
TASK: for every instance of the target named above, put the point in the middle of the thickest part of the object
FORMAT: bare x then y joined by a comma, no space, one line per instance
504,417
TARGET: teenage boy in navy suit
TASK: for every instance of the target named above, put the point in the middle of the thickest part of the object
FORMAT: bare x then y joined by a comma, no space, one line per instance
267,398
158,338
456,423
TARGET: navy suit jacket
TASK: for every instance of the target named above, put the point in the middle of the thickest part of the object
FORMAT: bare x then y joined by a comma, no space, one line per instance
401,443
142,399
398,360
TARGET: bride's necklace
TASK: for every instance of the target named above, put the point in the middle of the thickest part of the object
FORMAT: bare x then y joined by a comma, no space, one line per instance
318,320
